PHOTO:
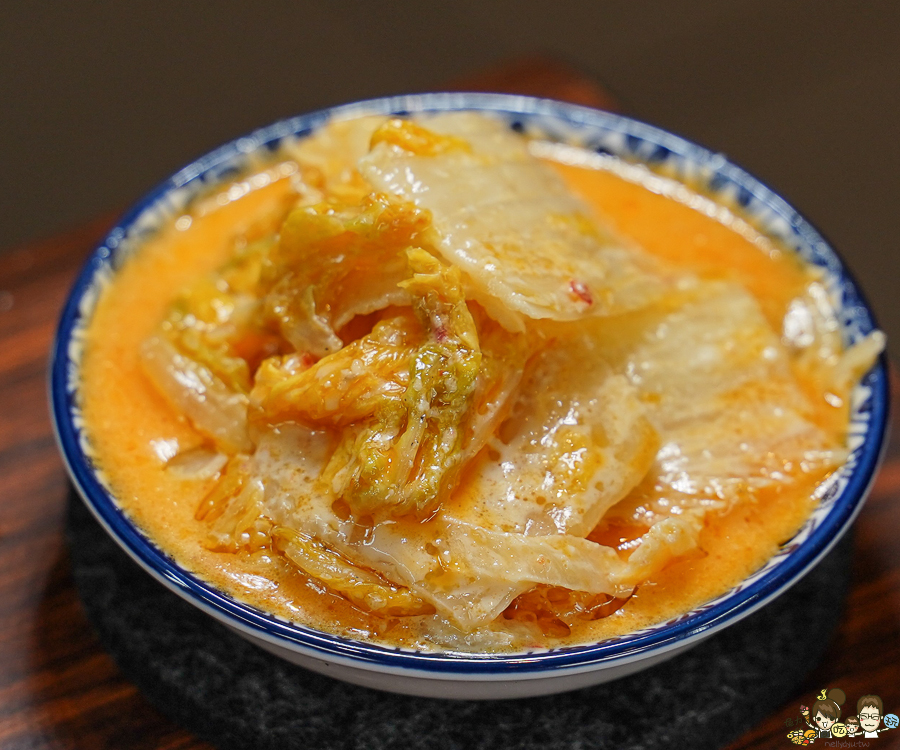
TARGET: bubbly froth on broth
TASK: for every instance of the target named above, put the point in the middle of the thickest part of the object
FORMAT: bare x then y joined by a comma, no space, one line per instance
425,388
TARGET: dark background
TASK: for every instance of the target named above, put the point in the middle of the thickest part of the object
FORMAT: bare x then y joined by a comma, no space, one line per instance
101,100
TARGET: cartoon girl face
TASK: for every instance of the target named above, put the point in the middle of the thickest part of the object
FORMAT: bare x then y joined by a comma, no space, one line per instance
822,721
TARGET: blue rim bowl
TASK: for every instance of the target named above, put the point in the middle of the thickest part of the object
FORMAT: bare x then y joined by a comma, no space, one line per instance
597,131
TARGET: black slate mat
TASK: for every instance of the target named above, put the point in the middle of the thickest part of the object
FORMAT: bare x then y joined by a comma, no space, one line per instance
234,695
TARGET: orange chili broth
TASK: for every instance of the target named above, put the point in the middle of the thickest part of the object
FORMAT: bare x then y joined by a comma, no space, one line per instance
124,413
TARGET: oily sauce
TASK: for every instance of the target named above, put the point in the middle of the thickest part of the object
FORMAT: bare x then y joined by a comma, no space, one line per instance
133,431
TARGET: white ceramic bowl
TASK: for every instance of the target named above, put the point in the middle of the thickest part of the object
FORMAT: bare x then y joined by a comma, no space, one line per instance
509,675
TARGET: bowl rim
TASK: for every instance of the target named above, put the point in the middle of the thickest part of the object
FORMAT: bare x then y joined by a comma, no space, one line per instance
732,606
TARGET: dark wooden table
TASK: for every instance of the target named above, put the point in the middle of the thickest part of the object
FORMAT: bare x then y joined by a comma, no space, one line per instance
59,689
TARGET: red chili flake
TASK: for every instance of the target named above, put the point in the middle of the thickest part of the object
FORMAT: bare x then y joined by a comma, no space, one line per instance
580,291
440,333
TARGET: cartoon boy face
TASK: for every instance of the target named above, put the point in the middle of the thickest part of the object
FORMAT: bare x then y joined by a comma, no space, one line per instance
869,718
852,727
822,721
